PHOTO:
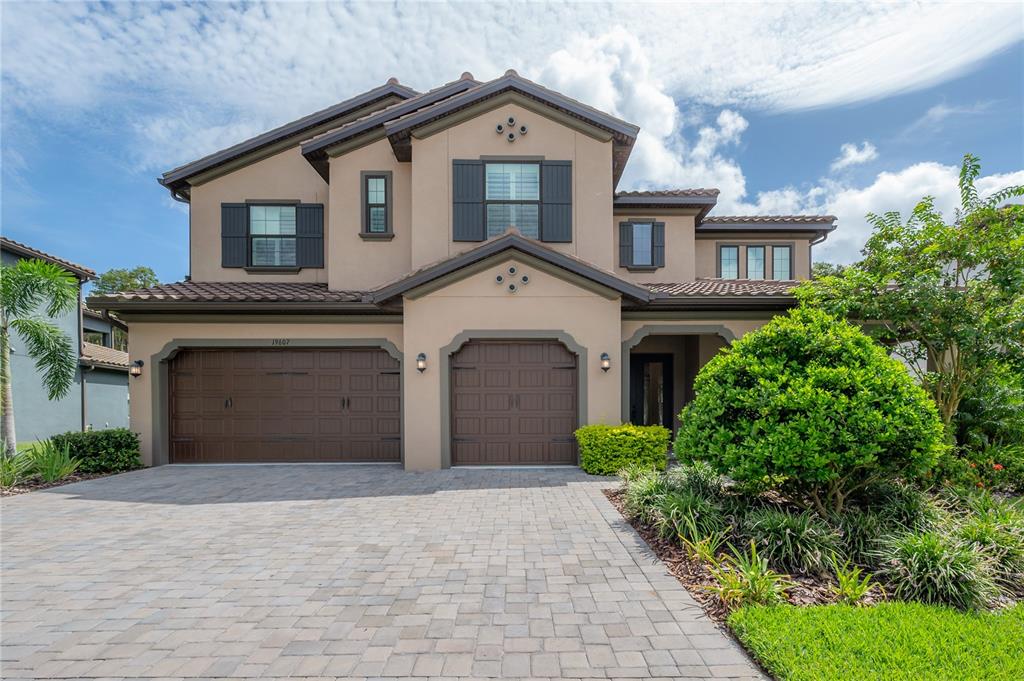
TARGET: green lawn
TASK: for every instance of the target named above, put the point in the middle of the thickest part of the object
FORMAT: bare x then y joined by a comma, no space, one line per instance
25,446
888,641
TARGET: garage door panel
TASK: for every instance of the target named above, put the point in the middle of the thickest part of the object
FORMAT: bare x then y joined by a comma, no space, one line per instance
268,405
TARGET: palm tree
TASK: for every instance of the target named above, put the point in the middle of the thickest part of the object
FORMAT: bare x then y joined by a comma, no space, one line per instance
26,288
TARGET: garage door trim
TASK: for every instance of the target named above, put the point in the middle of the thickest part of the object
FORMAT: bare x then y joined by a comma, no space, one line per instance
491,334
160,366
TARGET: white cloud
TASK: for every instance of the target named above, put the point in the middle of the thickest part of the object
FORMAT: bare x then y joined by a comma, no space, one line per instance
933,119
851,155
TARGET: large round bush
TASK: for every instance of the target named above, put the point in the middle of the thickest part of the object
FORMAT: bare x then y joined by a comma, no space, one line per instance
811,406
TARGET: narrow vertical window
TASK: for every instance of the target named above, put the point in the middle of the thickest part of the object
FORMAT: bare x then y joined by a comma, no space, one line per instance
643,245
376,205
755,262
782,258
272,236
729,262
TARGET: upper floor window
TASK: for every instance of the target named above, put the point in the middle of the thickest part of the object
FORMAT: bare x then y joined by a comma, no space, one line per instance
782,258
642,244
95,337
729,262
272,236
512,198
755,262
376,197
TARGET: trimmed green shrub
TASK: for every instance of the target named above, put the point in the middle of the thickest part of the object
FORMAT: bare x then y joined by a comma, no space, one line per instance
606,450
792,541
812,407
685,514
103,451
934,568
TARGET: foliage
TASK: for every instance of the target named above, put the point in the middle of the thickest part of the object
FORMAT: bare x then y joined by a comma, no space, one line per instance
902,504
26,288
103,451
992,413
14,468
52,462
704,548
606,450
792,541
861,532
997,532
685,514
121,279
932,567
811,406
643,491
744,578
881,643
826,269
697,477
945,296
852,584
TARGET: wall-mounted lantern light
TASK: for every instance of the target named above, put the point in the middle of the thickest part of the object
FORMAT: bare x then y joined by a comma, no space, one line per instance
606,361
421,362
136,368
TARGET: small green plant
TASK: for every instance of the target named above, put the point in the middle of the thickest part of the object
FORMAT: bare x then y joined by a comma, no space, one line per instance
697,477
705,549
14,468
903,505
1001,541
686,514
862,532
51,462
852,585
744,578
931,567
606,450
792,541
643,492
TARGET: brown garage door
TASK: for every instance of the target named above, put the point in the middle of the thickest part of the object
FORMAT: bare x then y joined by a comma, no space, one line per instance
514,402
284,405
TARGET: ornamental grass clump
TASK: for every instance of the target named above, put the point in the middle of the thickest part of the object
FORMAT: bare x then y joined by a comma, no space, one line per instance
687,515
642,494
809,406
745,578
794,542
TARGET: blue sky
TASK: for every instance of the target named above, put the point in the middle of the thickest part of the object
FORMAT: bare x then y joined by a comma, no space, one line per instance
759,101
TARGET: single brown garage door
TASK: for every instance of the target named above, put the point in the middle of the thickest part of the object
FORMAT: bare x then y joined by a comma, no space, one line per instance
514,402
284,405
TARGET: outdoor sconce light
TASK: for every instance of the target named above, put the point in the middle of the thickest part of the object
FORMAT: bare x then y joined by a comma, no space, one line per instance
421,362
136,368
606,362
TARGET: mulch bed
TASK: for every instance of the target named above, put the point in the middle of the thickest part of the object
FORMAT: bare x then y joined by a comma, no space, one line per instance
694,574
35,485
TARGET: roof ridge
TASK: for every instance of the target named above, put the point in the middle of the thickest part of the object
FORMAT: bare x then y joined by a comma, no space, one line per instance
32,252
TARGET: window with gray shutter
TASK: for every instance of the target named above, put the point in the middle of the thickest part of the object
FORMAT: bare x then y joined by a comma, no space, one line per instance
625,244
309,233
556,201
642,244
468,201
658,244
234,235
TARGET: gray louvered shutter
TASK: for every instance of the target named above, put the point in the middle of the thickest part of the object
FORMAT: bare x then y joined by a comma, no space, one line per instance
468,201
556,201
625,244
658,244
234,235
309,235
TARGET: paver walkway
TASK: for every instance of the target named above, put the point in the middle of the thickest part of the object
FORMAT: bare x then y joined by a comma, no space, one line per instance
342,571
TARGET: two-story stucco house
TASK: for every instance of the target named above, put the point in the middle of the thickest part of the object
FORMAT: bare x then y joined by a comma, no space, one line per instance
440,279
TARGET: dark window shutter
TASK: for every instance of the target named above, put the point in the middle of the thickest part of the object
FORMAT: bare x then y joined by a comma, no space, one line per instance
556,198
658,244
234,235
468,201
625,244
309,235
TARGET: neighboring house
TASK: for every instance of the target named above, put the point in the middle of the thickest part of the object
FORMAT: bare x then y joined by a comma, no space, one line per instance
445,278
99,397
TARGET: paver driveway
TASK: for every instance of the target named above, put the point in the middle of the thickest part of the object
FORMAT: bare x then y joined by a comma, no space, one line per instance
342,571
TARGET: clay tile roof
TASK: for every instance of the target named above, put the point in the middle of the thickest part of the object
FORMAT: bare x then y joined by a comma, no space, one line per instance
724,288
232,292
669,193
771,219
25,251
99,355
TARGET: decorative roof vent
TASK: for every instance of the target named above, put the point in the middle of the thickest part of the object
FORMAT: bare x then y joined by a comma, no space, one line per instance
510,130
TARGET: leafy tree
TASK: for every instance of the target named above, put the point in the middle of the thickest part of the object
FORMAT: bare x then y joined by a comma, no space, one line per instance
25,288
946,296
120,279
826,269
811,407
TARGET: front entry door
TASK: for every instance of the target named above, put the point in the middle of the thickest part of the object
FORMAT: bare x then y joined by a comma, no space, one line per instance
650,390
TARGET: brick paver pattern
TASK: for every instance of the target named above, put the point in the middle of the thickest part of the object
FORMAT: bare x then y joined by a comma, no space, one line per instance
342,572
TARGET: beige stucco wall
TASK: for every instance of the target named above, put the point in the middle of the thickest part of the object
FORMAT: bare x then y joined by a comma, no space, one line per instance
150,338
285,176
547,303
679,249
363,264
432,174
707,253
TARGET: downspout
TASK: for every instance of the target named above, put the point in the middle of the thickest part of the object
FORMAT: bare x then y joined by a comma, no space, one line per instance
81,350
85,405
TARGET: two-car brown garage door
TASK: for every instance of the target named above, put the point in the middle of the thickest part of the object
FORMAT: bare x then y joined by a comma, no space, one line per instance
266,405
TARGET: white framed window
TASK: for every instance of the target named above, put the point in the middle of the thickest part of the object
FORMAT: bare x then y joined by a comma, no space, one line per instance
272,236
